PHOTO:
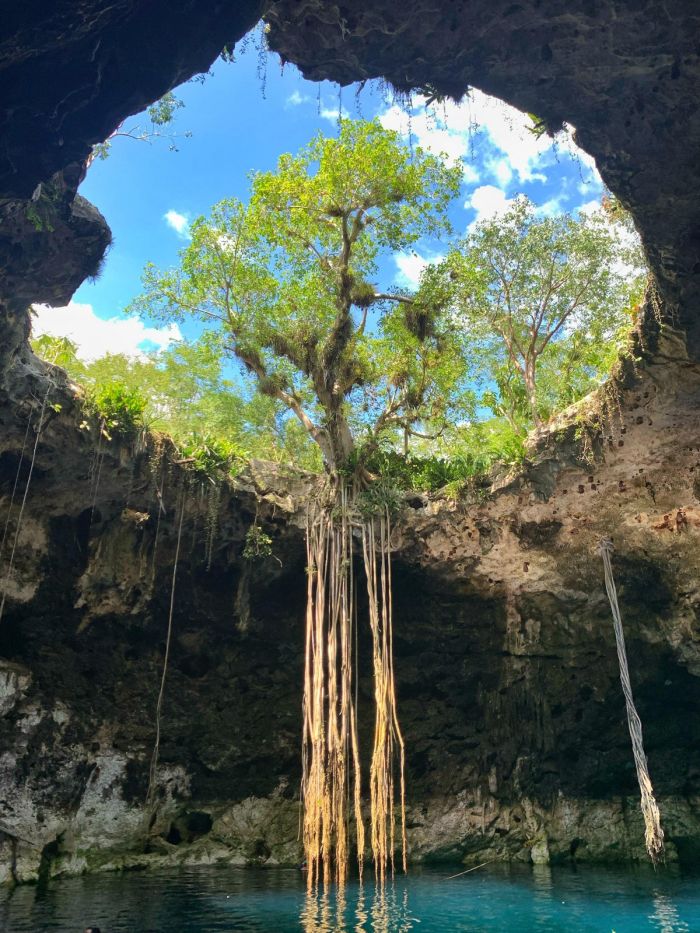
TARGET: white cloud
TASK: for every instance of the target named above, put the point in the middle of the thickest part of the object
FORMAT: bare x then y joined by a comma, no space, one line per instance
96,336
179,222
409,267
332,114
453,128
501,170
508,131
295,99
552,207
432,134
589,207
589,185
488,201
471,175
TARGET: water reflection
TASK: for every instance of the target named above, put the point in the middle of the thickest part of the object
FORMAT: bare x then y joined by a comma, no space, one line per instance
665,917
360,911
542,886
380,909
500,899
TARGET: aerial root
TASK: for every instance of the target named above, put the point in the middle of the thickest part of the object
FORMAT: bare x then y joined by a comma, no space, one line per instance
654,834
331,767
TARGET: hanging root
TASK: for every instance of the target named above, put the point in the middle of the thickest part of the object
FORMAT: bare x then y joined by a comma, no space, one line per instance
152,773
331,786
330,753
11,562
388,739
654,834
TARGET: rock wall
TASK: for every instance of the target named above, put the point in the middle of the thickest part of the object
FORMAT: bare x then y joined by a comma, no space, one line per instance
507,675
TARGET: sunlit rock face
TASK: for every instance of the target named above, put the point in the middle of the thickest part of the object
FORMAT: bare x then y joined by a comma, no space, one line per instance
626,75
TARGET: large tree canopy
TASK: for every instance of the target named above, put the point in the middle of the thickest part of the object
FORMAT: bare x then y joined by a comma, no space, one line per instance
286,283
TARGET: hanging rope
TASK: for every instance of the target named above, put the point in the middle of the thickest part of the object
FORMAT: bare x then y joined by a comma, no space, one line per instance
654,834
11,563
153,770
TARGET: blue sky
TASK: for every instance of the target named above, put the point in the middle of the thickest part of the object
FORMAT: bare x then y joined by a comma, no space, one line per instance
241,118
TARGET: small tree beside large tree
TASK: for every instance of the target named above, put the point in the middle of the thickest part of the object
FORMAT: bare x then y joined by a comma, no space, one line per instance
540,303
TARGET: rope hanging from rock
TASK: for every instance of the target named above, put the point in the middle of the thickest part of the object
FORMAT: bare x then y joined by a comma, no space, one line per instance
654,834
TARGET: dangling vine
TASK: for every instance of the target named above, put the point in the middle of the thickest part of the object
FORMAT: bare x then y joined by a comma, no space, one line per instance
152,773
213,503
387,732
15,485
654,834
18,528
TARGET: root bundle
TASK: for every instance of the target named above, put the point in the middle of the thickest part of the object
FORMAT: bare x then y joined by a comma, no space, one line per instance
331,768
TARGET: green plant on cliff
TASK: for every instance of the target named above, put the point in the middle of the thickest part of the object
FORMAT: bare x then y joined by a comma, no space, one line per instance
258,544
157,123
59,351
210,456
189,394
118,409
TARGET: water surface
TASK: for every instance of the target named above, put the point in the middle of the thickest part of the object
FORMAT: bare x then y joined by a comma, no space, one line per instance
495,899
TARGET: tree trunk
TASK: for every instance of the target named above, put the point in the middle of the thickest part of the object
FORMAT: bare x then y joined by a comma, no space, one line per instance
335,440
530,387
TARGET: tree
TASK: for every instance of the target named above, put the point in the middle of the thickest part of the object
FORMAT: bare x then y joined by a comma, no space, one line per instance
540,302
286,282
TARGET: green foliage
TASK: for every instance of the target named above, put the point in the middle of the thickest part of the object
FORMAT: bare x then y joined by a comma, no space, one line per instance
118,409
258,544
38,218
161,117
542,127
162,113
541,303
60,351
381,497
210,456
189,394
41,207
468,456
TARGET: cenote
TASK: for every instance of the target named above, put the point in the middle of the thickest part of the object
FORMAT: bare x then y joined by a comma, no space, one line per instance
350,466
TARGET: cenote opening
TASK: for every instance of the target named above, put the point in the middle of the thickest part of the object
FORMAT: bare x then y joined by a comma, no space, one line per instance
349,434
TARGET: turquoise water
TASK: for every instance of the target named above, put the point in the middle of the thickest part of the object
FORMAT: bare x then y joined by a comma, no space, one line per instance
495,899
